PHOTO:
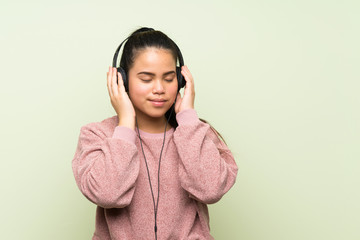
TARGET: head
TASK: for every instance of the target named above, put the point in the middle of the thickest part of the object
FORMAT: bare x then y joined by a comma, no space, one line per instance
149,60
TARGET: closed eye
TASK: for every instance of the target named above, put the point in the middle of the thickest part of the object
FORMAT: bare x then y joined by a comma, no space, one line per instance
145,80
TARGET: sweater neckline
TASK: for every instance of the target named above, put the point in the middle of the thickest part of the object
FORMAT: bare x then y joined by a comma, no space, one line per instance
155,135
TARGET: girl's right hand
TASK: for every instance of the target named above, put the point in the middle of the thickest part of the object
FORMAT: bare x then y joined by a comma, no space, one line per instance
120,99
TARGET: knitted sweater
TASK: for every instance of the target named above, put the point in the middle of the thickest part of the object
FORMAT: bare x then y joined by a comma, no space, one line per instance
196,169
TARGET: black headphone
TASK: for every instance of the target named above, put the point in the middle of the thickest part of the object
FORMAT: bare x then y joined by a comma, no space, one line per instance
181,82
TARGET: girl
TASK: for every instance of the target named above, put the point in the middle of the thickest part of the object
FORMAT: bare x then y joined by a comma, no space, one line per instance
153,168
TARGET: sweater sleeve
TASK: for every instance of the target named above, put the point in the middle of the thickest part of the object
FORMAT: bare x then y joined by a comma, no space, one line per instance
207,168
106,167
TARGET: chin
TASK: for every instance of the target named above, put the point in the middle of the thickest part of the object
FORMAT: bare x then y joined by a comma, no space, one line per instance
156,114
153,113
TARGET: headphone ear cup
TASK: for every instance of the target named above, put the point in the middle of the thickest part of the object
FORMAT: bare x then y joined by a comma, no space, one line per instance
124,77
180,78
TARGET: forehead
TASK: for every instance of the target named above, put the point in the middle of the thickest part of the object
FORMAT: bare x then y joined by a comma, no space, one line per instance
153,57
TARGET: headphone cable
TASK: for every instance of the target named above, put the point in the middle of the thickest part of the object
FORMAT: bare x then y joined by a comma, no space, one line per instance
156,205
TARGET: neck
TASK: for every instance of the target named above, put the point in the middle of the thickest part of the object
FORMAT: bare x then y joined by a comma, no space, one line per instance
152,125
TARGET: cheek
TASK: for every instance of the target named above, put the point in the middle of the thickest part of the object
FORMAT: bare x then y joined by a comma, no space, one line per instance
138,89
136,95
173,94
174,89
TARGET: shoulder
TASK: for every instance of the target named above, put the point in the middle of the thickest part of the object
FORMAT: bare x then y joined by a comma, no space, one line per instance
103,128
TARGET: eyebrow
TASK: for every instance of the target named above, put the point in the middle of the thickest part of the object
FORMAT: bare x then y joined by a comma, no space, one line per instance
152,74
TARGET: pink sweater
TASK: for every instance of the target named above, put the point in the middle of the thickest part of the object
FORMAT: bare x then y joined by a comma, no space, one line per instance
196,169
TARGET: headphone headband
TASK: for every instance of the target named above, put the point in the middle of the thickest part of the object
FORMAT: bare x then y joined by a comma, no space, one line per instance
181,82
117,52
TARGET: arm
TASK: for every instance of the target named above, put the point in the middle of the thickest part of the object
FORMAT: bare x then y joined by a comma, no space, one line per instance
207,168
106,168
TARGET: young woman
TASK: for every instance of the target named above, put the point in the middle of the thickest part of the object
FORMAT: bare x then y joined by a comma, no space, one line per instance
153,168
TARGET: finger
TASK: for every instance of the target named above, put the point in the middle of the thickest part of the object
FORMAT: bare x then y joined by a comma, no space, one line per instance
114,86
189,90
108,78
185,69
178,102
188,79
185,76
121,85
186,73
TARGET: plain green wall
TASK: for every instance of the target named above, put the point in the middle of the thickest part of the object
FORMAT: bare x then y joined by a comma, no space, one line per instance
279,80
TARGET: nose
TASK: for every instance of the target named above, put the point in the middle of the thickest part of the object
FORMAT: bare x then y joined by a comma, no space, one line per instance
158,87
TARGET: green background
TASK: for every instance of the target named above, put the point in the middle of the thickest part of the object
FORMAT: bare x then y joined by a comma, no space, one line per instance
278,79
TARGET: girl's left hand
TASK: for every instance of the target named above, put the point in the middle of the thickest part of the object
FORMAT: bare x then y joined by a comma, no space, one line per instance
187,101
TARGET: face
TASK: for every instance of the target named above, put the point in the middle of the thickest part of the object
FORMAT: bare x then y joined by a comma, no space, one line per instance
152,82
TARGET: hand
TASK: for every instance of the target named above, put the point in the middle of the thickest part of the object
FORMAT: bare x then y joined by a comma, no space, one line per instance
187,101
120,99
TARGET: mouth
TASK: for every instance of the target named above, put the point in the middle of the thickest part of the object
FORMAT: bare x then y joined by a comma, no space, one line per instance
158,102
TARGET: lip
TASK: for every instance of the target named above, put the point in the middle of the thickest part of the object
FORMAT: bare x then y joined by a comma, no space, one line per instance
157,102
